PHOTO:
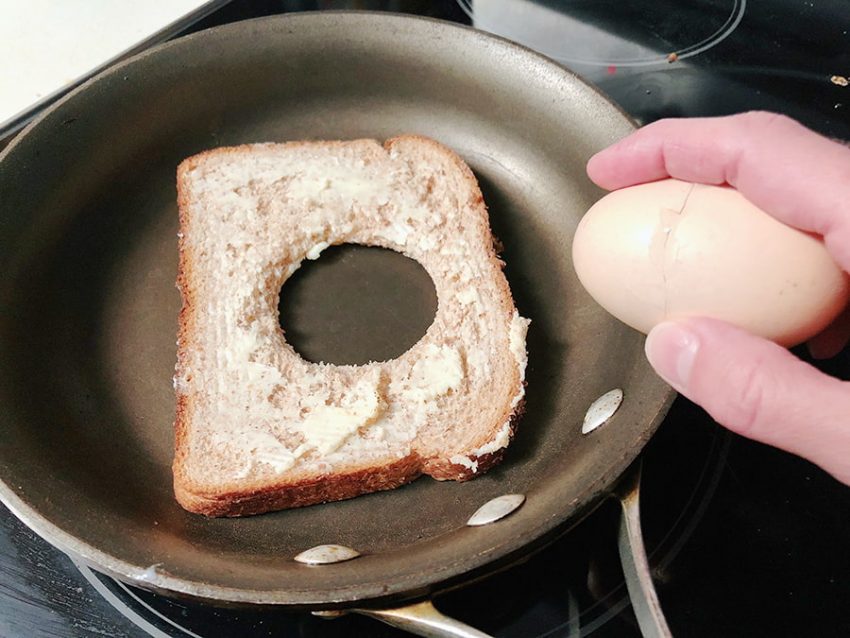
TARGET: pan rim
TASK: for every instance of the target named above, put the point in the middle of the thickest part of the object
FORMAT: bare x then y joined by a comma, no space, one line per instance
508,549
299,15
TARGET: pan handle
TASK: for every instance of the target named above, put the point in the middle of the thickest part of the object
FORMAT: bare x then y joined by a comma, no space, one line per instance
423,619
647,609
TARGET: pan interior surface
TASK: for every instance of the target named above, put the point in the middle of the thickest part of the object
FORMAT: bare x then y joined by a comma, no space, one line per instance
87,332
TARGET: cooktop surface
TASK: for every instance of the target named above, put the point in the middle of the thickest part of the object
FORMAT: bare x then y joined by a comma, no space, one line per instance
743,540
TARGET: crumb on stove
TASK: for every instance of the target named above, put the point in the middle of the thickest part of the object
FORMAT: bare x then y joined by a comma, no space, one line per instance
840,80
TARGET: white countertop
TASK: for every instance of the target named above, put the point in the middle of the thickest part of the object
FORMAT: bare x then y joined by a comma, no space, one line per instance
47,45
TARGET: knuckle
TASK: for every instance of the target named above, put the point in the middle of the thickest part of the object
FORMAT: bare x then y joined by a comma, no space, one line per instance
747,408
762,120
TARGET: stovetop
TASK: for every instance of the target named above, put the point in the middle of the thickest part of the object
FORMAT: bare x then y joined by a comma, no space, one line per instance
744,540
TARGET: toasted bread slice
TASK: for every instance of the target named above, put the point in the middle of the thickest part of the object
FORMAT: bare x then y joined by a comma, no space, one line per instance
259,428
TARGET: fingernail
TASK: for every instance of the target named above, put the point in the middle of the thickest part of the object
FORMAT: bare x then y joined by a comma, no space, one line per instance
672,349
824,348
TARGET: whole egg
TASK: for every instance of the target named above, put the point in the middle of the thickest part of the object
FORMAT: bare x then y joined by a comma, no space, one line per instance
672,249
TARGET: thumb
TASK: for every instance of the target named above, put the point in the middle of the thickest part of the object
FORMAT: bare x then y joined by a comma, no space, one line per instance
757,389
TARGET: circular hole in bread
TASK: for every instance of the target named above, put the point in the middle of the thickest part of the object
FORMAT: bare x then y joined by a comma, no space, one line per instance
357,304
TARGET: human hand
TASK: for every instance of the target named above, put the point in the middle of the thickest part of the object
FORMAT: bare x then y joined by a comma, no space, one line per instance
750,385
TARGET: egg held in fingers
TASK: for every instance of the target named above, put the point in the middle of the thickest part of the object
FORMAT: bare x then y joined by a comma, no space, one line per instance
672,249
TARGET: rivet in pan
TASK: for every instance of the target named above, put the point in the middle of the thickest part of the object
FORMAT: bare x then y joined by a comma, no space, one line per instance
496,509
601,410
326,554
330,614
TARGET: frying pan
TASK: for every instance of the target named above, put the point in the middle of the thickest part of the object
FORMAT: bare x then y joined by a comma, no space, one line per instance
88,229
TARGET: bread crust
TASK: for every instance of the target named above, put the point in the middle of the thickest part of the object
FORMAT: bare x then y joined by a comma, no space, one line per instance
336,487
320,489
230,501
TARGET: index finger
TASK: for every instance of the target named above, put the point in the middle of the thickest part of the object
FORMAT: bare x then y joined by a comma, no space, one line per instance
784,168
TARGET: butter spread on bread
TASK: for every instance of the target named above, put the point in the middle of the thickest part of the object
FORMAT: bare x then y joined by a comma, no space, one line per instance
258,428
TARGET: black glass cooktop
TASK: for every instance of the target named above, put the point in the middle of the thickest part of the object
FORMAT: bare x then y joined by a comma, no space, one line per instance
744,540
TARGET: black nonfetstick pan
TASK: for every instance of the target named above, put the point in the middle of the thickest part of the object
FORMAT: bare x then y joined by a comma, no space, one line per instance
88,252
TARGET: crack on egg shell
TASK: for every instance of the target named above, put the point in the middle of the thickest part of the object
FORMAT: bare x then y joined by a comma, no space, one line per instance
668,223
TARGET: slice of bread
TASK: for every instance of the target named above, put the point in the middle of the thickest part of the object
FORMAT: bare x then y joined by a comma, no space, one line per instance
258,427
